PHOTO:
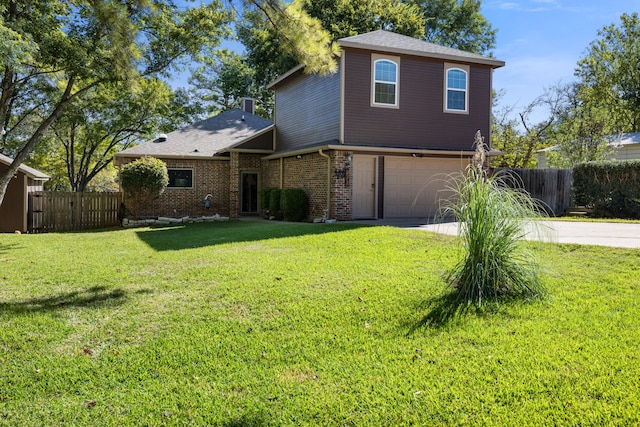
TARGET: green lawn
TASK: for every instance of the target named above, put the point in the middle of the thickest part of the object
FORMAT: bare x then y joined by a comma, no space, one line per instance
271,324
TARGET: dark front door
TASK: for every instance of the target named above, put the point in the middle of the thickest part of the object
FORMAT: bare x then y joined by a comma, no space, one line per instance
249,193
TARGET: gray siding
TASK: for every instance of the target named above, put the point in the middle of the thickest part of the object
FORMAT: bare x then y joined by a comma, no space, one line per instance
419,121
307,110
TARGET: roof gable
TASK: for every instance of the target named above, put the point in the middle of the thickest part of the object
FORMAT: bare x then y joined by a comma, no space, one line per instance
29,171
397,43
205,138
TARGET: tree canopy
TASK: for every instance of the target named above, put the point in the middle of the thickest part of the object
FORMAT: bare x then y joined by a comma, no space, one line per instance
57,51
457,24
54,52
611,69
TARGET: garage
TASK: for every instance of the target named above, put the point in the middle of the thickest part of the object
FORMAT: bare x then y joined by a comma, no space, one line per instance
413,185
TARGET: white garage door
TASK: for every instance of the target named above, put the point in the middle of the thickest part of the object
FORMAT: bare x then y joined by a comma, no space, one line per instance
413,186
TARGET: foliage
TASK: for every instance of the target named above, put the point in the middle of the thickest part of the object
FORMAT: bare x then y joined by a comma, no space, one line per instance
65,49
143,180
520,139
267,48
580,128
265,197
353,17
274,203
293,204
108,119
457,24
494,217
610,188
610,69
324,324
221,82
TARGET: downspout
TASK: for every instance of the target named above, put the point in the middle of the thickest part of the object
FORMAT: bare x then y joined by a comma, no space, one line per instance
328,214
281,169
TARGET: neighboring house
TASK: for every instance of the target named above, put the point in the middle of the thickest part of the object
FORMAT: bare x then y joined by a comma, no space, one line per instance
15,205
377,139
623,147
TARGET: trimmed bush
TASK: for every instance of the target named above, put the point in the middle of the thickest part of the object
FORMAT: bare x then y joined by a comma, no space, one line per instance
293,204
265,197
143,181
274,203
611,189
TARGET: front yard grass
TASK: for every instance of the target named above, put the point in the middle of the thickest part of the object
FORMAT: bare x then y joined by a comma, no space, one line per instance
270,324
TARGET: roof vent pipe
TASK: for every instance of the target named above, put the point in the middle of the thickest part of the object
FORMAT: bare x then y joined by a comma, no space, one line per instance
161,137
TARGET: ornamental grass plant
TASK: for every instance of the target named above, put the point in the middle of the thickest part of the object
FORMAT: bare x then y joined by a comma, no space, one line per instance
494,218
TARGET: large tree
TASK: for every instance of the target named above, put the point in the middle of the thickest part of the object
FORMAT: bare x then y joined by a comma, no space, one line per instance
579,133
457,24
268,52
64,49
221,82
611,69
109,119
519,138
54,52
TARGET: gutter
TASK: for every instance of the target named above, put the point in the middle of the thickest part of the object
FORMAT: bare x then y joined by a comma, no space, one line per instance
383,150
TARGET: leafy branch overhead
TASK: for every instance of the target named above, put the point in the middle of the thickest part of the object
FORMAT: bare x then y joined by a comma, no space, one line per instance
57,53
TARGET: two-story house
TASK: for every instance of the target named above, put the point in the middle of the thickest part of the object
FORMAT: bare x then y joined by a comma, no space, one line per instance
377,139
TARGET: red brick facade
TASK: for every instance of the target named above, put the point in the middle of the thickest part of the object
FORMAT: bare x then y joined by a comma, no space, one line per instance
210,176
310,172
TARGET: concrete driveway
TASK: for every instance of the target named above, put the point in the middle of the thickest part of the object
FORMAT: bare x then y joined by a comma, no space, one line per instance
617,235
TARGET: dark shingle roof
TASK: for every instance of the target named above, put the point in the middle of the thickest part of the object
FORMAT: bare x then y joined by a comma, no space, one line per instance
205,138
397,43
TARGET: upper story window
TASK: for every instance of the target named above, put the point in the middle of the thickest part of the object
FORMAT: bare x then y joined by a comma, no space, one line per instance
456,88
385,81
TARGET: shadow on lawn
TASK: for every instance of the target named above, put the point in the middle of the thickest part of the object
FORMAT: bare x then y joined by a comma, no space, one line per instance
444,310
5,248
95,297
172,238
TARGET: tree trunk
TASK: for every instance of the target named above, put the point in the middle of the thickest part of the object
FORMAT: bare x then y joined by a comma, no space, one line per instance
22,155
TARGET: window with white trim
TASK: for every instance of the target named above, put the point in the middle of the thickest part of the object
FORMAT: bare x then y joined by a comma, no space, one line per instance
385,82
456,89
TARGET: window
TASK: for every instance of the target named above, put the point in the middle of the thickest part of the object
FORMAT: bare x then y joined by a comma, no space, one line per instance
456,89
385,82
180,178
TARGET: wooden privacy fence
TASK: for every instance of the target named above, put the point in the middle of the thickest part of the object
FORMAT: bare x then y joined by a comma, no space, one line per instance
551,186
66,211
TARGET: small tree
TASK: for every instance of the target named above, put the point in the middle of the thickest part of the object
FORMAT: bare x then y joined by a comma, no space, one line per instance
143,181
493,219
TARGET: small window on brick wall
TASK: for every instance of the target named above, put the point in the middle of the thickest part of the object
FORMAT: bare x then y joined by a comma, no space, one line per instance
180,178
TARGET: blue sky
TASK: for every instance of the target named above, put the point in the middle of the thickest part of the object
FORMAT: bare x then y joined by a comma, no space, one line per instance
541,41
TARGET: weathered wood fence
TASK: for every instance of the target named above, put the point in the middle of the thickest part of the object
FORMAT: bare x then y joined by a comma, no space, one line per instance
66,211
551,186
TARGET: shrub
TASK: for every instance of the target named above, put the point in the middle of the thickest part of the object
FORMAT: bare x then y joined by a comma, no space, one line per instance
293,204
274,203
611,188
493,219
265,197
143,180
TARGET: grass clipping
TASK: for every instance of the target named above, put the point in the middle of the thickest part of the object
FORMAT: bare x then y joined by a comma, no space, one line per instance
493,220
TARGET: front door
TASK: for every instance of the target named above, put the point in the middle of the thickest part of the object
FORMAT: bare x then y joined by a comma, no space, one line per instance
249,193
364,187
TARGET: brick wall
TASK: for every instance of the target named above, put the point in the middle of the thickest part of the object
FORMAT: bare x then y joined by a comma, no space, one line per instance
210,176
309,172
342,188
